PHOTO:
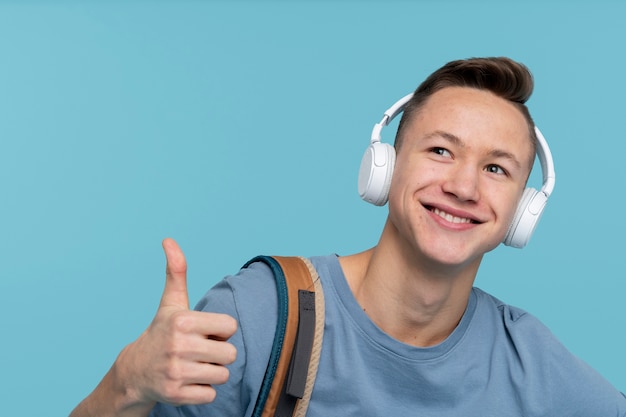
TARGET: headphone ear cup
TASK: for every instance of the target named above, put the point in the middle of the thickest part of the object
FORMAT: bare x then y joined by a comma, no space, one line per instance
527,215
376,172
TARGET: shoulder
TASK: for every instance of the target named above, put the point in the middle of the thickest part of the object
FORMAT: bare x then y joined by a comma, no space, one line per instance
516,321
541,365
250,297
523,332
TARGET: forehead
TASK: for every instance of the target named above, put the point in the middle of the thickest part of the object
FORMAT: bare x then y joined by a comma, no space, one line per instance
478,117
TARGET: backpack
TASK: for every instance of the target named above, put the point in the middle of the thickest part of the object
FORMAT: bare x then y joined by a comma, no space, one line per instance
292,367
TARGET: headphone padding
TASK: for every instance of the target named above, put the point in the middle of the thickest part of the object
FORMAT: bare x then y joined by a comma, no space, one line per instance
375,173
527,215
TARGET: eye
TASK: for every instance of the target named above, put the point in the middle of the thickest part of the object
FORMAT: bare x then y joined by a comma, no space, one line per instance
495,169
441,152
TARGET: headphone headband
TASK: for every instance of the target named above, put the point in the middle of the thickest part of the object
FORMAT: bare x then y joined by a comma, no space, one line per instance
547,164
389,115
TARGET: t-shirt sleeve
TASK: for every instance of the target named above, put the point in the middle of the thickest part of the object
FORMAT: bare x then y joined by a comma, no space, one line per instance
250,297
580,390
574,387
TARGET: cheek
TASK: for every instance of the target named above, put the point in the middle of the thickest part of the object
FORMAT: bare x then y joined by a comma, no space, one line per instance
395,197
510,210
397,182
400,194
410,175
403,186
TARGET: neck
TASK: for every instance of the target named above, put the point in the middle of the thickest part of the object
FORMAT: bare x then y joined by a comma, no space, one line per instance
415,300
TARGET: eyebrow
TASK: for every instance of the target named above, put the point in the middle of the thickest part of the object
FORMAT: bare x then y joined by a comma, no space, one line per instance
455,140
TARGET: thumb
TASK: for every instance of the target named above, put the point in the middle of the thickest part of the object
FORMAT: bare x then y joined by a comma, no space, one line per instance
175,292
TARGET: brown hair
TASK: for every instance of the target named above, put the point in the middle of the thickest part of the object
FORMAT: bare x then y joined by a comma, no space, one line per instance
502,76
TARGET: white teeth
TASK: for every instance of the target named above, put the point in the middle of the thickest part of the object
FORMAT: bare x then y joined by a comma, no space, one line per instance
449,217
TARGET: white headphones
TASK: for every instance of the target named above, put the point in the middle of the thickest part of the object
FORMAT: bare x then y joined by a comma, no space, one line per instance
379,160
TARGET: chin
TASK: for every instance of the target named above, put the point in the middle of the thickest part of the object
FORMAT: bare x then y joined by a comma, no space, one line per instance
450,256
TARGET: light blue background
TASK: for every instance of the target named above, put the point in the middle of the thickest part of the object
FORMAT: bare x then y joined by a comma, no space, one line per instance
237,128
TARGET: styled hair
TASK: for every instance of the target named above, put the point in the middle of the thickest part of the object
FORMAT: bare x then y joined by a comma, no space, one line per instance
501,76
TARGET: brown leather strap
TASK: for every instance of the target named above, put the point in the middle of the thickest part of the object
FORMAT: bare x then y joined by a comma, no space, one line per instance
298,276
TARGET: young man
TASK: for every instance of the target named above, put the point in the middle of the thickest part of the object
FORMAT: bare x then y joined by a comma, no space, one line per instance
406,333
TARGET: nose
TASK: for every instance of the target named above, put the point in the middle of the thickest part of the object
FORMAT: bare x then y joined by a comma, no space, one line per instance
462,182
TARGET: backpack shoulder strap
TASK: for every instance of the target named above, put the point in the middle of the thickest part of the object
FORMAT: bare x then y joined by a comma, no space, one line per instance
290,374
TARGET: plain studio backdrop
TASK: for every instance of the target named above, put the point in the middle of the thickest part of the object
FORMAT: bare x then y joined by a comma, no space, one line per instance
237,128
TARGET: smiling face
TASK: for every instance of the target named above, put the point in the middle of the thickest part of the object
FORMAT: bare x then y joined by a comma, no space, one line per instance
461,170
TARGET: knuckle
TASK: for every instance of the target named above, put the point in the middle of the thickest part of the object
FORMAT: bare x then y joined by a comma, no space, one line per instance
172,349
173,373
181,322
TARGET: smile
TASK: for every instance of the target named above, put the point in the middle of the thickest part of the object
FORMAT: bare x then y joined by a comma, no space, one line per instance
450,218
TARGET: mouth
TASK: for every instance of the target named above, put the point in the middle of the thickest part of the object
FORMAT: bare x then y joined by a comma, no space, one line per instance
451,218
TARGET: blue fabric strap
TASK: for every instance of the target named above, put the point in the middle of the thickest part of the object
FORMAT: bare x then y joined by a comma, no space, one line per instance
279,336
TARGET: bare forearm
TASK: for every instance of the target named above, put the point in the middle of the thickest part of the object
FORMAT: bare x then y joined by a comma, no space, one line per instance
112,398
